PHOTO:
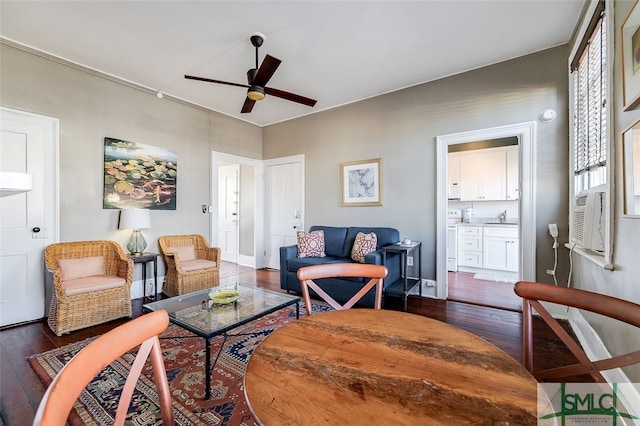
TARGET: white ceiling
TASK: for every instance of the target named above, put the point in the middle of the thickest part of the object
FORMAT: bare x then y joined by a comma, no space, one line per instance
336,52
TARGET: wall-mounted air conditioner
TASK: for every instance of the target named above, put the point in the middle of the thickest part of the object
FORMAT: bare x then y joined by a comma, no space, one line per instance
587,229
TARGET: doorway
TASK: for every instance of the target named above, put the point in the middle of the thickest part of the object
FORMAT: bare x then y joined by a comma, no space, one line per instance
29,220
525,134
235,223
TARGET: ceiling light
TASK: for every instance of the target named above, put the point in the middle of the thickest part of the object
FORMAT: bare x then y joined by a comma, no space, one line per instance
255,93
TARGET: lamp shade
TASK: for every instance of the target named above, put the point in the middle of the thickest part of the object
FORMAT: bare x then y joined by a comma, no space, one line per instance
135,219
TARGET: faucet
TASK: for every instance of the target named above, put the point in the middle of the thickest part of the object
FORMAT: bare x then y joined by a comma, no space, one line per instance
502,217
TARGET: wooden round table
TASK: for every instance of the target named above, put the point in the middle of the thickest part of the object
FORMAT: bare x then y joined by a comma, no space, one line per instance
367,366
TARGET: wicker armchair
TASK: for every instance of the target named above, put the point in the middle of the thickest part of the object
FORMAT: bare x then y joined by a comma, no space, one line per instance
192,264
91,284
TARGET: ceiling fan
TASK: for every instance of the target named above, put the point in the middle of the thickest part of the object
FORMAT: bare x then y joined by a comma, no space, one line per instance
258,78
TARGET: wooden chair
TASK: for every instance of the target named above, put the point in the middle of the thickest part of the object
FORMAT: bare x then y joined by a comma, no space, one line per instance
91,284
192,264
534,293
307,274
63,392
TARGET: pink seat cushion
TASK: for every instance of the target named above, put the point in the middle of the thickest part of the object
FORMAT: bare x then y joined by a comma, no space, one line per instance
89,284
194,265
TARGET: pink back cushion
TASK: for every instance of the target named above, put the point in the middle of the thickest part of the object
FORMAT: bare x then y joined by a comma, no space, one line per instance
184,252
72,269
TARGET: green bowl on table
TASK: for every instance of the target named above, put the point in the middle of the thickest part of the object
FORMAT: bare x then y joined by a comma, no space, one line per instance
224,296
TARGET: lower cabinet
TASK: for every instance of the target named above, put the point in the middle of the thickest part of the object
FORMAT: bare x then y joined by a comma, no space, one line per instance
470,246
500,248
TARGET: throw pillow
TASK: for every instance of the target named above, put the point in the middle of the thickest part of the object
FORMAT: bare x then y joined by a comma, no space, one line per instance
363,245
184,252
72,269
310,244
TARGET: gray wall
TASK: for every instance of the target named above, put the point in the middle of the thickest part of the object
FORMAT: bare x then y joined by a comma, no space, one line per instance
89,108
401,128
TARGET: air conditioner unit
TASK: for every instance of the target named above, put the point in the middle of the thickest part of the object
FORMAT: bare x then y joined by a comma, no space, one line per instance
587,229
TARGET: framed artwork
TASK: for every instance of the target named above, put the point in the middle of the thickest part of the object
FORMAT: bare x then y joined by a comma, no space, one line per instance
631,171
361,183
631,59
138,176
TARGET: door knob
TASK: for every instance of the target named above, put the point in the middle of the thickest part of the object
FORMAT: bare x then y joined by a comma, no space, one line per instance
36,229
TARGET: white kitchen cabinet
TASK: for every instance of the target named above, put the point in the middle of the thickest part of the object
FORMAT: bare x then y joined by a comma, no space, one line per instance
470,246
483,175
453,176
513,175
500,248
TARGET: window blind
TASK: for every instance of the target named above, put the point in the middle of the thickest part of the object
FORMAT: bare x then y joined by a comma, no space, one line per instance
590,102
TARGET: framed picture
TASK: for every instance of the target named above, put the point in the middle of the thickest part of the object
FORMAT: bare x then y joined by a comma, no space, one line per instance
138,176
361,183
631,59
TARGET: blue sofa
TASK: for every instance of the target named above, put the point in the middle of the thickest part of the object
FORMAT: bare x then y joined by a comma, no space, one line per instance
338,242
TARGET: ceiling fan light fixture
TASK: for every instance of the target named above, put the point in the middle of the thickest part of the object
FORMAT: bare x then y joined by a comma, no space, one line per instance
255,93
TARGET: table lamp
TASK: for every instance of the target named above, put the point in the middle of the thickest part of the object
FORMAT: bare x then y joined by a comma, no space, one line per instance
135,219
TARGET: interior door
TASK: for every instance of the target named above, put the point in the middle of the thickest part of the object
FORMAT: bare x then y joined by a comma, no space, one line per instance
27,220
283,183
228,211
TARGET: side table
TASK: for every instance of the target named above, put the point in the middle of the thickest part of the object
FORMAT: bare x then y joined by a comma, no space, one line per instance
145,258
404,284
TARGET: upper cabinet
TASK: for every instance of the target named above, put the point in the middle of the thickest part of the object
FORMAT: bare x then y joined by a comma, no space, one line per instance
484,174
513,175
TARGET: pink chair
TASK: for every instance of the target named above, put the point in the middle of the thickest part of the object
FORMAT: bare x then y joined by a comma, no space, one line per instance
82,368
534,293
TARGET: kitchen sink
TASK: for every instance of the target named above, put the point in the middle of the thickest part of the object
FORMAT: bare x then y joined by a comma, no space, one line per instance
500,223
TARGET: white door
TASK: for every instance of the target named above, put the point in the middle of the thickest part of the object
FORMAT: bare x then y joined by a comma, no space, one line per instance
28,144
283,188
228,210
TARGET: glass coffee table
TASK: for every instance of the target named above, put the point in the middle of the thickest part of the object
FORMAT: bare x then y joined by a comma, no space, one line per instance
196,312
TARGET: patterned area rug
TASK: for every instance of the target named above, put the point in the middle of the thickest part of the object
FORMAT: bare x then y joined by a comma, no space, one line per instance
184,357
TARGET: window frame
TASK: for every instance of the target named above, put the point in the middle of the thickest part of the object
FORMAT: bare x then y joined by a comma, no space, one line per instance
584,32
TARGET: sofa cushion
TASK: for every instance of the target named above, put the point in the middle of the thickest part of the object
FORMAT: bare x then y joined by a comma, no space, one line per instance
72,269
363,245
310,244
334,238
184,253
298,262
91,283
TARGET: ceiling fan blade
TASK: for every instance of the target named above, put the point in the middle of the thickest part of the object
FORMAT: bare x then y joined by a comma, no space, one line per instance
266,70
248,105
209,80
289,96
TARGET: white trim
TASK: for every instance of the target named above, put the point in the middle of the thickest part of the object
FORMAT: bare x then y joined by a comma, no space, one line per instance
526,133
253,261
605,261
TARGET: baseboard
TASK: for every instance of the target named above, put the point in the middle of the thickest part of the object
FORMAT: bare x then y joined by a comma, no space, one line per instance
595,349
247,261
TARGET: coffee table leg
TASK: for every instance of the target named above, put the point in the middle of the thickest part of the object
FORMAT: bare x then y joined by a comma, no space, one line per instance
297,310
207,372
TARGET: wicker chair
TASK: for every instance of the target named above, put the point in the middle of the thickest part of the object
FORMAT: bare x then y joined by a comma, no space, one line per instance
81,296
192,264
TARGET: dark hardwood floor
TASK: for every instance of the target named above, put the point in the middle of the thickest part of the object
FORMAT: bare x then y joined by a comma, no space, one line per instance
21,390
462,287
